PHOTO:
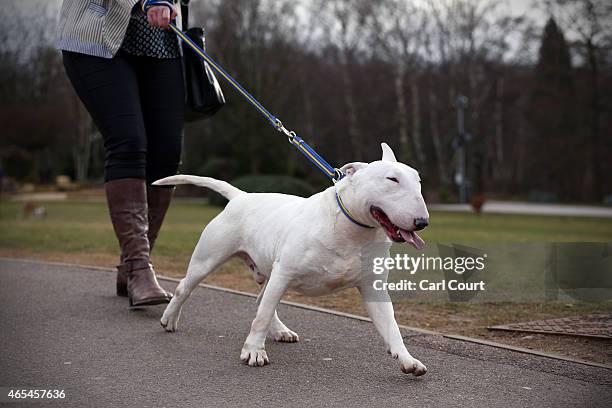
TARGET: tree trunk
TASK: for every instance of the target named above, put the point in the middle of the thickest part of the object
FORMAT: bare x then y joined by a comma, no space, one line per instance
416,121
308,110
349,100
400,98
308,114
521,141
499,169
592,177
81,152
435,135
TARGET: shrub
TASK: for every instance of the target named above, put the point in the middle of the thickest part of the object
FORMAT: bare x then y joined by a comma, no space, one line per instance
268,184
18,163
219,168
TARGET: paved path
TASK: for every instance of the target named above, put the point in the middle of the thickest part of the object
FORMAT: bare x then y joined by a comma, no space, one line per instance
62,327
492,207
509,207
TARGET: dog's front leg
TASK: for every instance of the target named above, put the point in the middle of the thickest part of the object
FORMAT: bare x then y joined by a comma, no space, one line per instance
381,312
253,352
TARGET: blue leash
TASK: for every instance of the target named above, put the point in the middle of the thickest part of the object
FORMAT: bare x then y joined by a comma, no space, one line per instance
333,173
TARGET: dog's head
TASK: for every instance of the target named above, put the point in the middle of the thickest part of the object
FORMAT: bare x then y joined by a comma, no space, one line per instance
389,194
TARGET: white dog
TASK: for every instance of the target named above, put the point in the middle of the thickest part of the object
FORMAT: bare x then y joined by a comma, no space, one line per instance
311,245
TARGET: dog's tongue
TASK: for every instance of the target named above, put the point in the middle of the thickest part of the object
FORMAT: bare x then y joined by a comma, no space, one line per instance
413,239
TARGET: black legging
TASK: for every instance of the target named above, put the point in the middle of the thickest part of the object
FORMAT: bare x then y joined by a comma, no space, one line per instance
137,103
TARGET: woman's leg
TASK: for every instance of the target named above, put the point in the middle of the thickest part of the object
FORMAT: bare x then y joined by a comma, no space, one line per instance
109,90
162,99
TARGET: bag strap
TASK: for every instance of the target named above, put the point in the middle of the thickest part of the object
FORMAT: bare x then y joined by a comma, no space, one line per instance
185,14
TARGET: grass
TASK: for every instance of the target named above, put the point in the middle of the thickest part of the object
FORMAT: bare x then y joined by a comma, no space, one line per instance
85,227
81,232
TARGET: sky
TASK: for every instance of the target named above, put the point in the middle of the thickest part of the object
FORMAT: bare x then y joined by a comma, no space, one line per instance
26,7
517,6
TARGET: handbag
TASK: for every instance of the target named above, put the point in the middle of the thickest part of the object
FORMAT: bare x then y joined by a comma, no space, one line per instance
203,95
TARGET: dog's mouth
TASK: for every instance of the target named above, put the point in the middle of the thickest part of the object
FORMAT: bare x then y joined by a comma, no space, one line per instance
394,232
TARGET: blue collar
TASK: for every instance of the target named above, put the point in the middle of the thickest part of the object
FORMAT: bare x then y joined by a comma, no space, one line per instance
348,215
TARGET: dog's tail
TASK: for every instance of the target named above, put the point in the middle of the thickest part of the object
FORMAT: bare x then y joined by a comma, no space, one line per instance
225,189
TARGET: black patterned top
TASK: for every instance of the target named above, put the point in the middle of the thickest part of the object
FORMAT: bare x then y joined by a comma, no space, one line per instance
144,40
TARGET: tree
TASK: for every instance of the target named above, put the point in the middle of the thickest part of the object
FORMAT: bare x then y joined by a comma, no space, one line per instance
468,45
552,104
590,23
255,45
344,23
400,27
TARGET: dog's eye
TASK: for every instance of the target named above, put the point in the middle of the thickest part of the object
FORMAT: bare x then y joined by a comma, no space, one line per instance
393,179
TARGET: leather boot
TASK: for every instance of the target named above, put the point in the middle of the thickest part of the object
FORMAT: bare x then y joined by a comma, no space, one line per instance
158,201
127,203
142,287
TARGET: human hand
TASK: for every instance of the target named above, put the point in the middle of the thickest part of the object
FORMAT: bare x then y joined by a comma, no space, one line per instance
161,16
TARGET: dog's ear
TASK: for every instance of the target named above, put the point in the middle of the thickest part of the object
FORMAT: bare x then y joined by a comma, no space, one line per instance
387,153
351,168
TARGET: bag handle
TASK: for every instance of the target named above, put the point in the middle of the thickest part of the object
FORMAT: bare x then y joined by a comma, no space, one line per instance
185,14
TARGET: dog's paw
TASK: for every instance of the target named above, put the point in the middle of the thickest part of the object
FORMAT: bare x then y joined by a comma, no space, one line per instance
254,358
414,366
169,323
285,336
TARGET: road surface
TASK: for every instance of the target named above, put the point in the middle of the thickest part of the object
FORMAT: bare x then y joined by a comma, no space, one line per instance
523,208
63,328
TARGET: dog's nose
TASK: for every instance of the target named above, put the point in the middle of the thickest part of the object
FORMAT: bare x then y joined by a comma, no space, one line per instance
420,223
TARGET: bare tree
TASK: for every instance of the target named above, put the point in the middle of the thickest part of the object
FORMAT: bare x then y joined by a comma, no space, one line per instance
344,23
399,27
471,39
590,24
254,40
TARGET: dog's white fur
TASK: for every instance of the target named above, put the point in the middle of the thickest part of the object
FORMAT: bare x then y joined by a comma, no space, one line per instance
305,244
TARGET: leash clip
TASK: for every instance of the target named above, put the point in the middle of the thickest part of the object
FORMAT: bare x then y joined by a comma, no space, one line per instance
338,175
291,135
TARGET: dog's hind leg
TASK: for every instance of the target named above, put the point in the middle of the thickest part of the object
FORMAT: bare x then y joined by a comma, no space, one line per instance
278,331
212,250
282,333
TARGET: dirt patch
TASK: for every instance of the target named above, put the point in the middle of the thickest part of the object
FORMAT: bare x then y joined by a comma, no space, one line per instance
469,319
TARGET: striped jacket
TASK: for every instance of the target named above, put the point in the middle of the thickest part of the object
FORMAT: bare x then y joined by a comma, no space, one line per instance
94,27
